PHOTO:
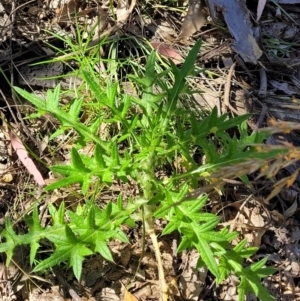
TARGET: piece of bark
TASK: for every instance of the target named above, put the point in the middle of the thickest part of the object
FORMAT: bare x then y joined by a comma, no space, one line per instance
236,16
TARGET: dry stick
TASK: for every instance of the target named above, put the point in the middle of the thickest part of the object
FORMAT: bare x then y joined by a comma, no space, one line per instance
161,275
263,83
227,90
243,65
261,116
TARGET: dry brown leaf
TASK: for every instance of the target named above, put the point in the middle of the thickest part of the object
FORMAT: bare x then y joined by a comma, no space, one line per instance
67,12
194,20
191,280
121,9
291,210
168,52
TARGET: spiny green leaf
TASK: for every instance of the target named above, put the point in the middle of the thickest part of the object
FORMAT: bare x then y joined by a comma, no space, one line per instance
107,211
209,225
103,250
258,265
213,236
111,93
172,226
260,291
76,178
265,272
96,125
40,103
59,256
53,98
240,246
70,235
93,85
75,108
78,254
91,218
98,154
77,161
207,256
34,246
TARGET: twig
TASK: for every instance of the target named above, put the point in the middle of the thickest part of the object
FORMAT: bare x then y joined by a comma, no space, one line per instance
149,227
243,65
161,275
263,83
261,116
227,90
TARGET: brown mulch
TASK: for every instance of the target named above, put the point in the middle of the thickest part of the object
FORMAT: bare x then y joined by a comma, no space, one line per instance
268,88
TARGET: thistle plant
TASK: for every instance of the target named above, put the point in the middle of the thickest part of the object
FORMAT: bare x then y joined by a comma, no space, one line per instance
153,130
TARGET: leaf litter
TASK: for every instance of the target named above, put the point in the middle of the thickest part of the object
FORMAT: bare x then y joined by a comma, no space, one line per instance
271,223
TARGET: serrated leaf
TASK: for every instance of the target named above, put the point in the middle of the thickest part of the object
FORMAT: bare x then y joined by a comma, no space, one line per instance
91,218
93,85
40,103
237,267
77,257
240,246
61,213
96,125
34,246
260,291
8,245
77,161
248,252
107,177
76,264
115,156
265,272
107,211
70,235
99,157
53,98
179,214
77,178
33,221
209,225
172,226
208,257
63,169
56,258
86,182
75,109
258,265
185,243
120,235
103,250
212,236
150,71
